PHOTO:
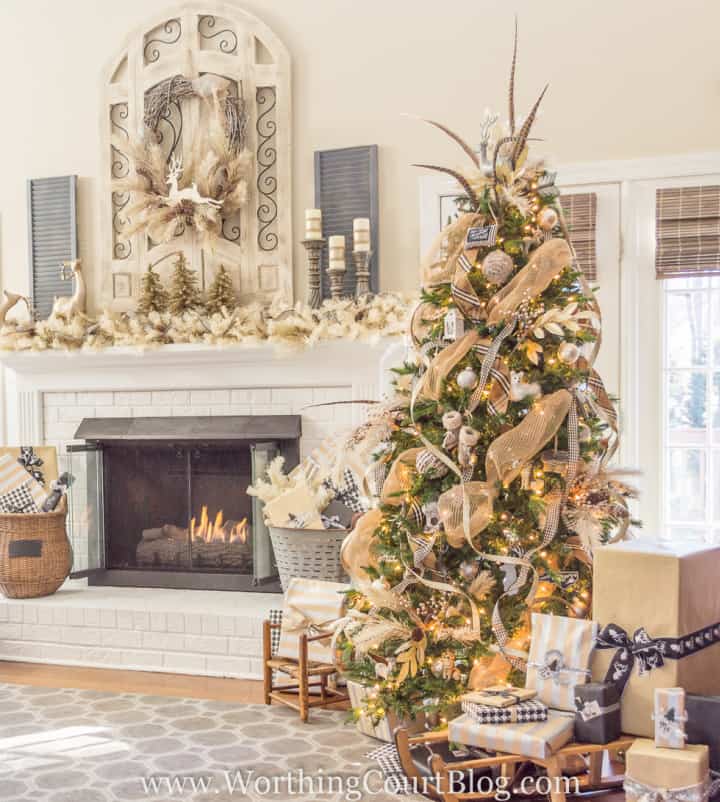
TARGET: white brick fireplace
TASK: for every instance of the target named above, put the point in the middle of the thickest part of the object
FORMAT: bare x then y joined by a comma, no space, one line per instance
188,631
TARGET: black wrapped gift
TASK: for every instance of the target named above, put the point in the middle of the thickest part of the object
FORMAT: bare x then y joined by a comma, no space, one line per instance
703,724
597,717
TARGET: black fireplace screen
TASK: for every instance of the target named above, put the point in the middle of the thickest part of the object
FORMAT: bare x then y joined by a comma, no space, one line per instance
160,502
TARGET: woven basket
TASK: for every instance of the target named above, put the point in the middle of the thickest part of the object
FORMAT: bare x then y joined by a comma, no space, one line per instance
308,553
35,553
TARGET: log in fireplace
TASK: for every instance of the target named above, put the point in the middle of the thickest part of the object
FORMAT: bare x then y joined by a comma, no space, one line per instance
162,502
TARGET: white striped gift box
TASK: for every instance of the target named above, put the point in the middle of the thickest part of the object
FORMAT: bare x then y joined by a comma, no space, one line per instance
559,660
533,739
15,480
384,728
534,710
311,606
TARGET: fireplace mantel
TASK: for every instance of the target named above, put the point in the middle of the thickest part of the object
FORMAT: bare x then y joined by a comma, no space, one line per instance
362,366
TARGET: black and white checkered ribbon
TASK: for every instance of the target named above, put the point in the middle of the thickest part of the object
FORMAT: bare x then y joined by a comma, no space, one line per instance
489,360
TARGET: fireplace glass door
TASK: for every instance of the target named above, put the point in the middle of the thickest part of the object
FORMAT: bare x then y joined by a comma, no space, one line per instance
178,508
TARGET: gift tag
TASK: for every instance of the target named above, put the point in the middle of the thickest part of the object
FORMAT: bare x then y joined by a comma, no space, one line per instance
480,237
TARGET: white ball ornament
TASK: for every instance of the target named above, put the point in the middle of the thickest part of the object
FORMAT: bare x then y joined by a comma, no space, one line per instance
497,267
469,569
467,379
584,432
547,219
569,353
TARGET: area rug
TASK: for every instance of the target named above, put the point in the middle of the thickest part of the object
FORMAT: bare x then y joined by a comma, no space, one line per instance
66,745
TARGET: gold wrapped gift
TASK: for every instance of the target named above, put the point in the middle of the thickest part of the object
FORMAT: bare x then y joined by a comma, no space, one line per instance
654,767
658,606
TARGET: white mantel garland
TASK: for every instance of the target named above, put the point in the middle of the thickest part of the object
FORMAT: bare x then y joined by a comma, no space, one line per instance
295,327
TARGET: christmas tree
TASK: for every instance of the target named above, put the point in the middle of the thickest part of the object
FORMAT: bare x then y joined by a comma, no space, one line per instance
184,292
154,297
221,294
493,457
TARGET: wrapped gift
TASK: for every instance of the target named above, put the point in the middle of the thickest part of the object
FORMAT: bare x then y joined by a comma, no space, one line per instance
703,724
659,610
669,717
500,696
383,727
597,716
559,660
19,491
312,607
533,710
533,739
674,775
40,462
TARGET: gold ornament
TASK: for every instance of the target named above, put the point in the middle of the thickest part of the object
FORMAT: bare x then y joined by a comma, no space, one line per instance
547,218
497,267
568,353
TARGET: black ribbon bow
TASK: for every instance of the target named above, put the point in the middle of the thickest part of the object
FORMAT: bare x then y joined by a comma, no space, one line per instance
649,653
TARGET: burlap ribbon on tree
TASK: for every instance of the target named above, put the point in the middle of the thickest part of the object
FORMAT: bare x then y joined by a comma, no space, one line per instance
437,267
546,264
357,548
496,393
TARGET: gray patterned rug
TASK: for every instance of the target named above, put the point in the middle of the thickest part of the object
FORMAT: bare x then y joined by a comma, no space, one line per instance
66,745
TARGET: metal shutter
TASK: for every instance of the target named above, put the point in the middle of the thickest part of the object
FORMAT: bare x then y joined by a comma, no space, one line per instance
346,187
52,231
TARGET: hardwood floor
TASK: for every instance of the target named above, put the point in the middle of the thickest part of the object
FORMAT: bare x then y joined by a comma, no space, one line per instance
143,682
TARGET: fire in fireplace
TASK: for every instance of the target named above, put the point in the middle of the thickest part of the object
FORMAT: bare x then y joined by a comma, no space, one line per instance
164,499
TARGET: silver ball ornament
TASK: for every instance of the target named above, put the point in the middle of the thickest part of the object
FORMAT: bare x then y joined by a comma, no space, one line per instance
469,569
584,432
547,219
568,353
467,379
497,267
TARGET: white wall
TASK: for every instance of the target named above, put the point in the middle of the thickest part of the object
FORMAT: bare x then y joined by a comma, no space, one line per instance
627,80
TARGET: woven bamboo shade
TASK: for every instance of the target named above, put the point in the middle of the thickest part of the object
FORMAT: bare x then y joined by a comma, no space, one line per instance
687,233
580,211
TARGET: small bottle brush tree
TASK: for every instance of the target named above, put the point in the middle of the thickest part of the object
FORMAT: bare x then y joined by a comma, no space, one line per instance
184,292
154,297
496,490
221,294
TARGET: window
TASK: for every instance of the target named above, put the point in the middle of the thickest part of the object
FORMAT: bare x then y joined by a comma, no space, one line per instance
687,263
691,407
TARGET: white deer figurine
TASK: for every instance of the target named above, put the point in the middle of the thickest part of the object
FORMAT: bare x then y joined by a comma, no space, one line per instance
190,193
69,307
10,302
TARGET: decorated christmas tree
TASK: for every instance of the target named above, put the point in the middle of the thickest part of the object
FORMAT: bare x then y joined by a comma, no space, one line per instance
184,292
221,294
154,297
492,470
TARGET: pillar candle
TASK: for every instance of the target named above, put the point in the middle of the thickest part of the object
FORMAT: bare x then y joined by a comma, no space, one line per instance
313,224
336,252
361,234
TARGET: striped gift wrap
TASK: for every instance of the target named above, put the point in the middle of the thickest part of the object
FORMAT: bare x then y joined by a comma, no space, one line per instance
535,739
559,659
311,606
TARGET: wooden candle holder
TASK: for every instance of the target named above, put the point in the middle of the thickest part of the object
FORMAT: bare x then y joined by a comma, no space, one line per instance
362,273
314,249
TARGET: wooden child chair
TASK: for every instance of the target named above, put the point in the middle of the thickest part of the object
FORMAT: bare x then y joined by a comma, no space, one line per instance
297,643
